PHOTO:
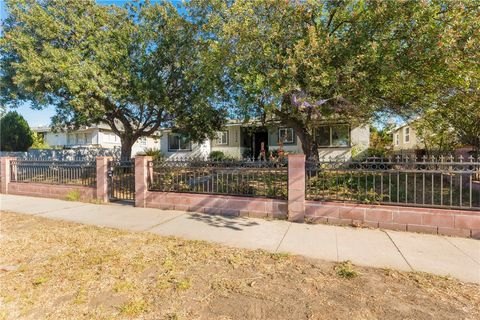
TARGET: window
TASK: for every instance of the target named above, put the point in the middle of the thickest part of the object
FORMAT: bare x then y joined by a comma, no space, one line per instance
285,135
142,141
340,136
397,139
71,138
111,137
406,134
333,136
222,137
81,138
177,142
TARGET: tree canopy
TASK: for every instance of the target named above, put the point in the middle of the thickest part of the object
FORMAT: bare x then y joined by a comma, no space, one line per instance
305,62
15,134
135,68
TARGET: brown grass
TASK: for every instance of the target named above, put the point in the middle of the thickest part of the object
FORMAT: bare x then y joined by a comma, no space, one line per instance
60,270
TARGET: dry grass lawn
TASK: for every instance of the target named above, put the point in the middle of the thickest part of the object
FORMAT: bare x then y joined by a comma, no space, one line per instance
59,270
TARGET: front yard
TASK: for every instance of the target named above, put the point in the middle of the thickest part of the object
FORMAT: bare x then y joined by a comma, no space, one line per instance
59,270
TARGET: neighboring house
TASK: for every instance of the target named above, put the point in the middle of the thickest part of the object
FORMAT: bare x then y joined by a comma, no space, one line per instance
245,140
405,137
96,136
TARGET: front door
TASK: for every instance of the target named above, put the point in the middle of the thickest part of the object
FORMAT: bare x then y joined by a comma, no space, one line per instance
259,138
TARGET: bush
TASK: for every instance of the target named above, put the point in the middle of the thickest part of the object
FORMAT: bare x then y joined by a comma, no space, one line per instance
152,152
15,134
218,156
38,142
345,270
73,195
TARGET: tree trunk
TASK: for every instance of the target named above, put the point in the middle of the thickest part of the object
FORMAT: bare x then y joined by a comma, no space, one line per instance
126,150
309,145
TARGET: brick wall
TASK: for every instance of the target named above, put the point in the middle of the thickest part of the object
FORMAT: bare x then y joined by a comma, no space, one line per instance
56,191
437,221
218,204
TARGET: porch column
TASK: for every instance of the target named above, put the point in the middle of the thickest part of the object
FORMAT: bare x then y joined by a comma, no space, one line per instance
296,187
102,178
141,180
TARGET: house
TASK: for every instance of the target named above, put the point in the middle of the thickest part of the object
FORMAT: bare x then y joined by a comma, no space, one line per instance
240,140
95,136
406,138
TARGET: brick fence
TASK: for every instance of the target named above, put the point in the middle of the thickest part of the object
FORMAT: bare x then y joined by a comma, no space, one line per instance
437,221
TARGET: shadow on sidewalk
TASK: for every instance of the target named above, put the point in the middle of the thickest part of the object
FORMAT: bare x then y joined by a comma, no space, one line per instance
234,223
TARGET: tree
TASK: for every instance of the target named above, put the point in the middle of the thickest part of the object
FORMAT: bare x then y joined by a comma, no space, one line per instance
304,62
38,142
443,130
135,68
380,141
15,134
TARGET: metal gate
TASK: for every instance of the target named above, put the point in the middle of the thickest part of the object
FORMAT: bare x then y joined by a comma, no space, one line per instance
122,180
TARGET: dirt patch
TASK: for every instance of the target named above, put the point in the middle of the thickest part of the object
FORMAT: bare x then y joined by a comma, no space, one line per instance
72,271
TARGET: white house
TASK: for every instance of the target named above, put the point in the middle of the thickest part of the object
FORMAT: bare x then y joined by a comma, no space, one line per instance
96,136
237,140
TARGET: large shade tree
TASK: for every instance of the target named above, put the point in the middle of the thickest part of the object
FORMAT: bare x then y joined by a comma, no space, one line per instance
303,62
135,68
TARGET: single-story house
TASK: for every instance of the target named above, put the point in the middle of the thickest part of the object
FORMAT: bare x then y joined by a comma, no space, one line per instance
239,140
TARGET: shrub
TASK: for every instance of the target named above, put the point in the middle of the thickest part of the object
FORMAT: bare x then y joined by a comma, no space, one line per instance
73,195
219,156
152,152
15,134
345,270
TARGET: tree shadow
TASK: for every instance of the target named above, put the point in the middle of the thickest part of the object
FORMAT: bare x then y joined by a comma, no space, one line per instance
221,221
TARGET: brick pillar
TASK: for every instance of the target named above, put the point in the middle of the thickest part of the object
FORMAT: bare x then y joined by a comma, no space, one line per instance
5,173
102,178
141,180
296,187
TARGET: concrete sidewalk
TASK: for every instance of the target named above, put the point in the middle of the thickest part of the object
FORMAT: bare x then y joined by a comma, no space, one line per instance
457,257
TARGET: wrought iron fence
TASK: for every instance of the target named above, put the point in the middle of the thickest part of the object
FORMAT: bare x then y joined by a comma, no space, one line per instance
229,177
122,179
54,172
442,182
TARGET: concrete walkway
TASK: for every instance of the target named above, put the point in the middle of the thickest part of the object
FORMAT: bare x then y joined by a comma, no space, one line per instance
457,257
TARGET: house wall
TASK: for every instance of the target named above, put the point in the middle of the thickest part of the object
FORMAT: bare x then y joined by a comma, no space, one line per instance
56,138
232,149
414,142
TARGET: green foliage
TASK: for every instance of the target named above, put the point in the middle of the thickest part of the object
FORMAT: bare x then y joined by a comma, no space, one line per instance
38,142
133,68
444,129
305,62
156,154
73,195
219,156
15,134
436,133
345,270
380,142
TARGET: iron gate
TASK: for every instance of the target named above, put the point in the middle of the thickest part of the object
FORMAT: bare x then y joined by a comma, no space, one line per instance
122,180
